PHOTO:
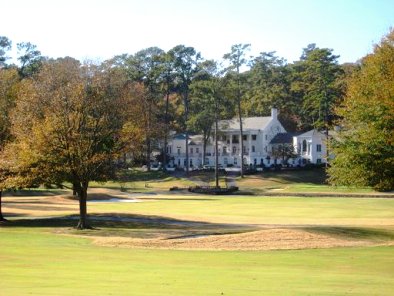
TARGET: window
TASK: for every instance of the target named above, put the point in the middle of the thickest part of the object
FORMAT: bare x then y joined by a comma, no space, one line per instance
235,160
318,161
255,161
206,160
170,149
304,146
191,150
266,137
253,149
318,147
191,162
197,150
179,150
235,139
224,138
234,149
265,148
225,161
245,137
254,137
224,149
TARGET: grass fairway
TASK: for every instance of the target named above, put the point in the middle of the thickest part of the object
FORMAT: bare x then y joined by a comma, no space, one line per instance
261,210
49,257
38,263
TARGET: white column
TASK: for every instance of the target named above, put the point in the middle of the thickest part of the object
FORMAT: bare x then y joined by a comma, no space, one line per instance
250,146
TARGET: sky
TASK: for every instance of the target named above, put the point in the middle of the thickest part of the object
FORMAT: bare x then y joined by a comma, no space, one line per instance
98,30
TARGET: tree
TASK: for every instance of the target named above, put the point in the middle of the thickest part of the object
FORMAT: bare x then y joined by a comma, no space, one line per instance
207,92
5,45
315,86
237,59
269,86
69,125
9,80
30,59
186,61
144,67
283,151
364,150
167,78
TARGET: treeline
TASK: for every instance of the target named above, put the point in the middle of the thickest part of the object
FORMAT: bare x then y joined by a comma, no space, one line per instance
305,91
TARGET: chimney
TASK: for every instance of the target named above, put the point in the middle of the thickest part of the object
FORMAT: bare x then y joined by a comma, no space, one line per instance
274,113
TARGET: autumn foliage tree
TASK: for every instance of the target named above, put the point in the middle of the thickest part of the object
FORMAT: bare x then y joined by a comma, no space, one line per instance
69,126
364,150
9,80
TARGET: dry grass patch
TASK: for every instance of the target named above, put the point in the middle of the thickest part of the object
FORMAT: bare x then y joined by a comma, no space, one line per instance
267,239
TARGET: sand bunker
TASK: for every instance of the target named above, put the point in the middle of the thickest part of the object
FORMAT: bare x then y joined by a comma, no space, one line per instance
268,239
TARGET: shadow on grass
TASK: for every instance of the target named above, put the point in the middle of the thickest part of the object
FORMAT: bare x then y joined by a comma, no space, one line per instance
127,225
136,175
179,198
316,176
34,192
353,232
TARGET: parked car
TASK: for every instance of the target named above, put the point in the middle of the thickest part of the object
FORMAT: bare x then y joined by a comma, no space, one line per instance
155,167
170,168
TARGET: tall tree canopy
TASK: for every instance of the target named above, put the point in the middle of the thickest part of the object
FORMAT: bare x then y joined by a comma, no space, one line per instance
237,58
364,151
145,67
5,46
315,86
69,126
269,86
186,60
9,81
30,59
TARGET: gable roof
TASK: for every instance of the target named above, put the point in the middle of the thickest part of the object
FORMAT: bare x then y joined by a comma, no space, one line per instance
193,139
283,138
311,133
249,123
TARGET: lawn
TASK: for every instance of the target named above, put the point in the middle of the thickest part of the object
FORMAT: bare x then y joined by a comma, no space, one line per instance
148,248
293,181
38,263
285,181
260,210
136,180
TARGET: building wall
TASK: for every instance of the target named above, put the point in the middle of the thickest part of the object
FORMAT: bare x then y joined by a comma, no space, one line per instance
256,151
311,148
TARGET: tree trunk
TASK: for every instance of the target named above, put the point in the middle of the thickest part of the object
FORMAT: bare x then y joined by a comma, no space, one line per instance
75,191
83,217
240,122
186,102
216,148
166,129
242,138
2,219
204,150
148,152
148,134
